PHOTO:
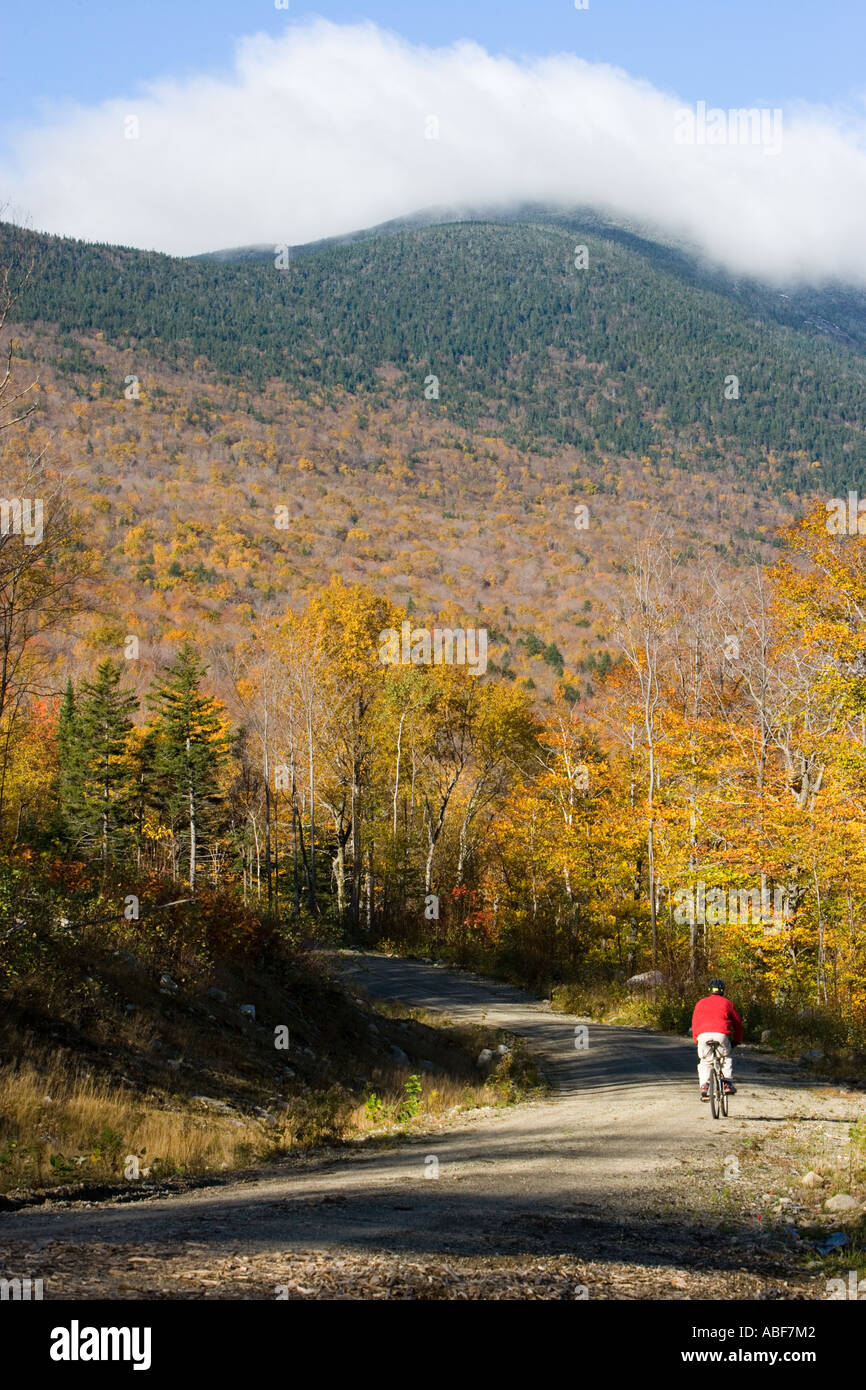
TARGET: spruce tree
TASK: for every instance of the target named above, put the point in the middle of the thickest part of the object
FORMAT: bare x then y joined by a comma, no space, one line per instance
70,764
191,749
102,731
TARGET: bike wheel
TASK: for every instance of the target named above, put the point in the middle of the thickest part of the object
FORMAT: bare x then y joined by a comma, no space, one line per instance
724,1100
715,1094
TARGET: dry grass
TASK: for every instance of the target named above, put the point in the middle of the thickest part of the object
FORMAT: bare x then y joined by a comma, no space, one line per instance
62,1123
57,1126
394,1008
440,1097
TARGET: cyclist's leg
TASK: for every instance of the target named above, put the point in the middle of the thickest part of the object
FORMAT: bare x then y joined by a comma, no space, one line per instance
728,1060
705,1059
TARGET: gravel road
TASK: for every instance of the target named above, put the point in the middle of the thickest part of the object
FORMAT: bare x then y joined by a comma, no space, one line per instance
613,1187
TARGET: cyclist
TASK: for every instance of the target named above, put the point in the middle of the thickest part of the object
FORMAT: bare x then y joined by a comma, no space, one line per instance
715,1018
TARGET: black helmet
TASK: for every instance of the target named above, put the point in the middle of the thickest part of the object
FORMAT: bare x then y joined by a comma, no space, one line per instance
717,986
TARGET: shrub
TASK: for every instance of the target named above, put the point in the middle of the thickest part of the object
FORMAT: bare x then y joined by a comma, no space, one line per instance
411,1101
320,1117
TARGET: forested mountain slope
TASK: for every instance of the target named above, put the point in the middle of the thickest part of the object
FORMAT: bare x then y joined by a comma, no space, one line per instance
629,355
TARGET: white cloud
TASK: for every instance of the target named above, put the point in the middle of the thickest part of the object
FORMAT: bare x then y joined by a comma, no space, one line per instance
322,131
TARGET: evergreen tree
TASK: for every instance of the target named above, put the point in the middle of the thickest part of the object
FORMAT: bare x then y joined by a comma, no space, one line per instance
191,748
102,784
70,763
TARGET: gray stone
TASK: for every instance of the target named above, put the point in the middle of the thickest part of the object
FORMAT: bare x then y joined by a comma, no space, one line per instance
400,1056
843,1201
218,994
168,985
812,1179
124,957
648,980
767,1035
222,1106
249,1010
484,1058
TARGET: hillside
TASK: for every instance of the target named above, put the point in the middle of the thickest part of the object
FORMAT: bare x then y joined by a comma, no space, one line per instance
180,487
837,310
141,1070
626,357
257,389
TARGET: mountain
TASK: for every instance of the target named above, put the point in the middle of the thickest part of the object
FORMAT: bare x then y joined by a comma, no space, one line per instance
627,357
234,433
837,311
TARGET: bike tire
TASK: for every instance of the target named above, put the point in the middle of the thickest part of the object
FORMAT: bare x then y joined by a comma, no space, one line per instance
724,1101
715,1096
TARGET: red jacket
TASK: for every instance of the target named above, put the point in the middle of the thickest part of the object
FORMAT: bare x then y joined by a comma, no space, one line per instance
716,1014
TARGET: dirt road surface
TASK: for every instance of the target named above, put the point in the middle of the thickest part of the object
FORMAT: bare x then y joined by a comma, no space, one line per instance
619,1185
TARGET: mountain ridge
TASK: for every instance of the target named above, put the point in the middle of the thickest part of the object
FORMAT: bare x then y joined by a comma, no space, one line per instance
804,301
631,356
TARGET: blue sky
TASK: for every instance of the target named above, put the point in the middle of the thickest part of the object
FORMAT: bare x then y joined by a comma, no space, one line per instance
733,52
190,125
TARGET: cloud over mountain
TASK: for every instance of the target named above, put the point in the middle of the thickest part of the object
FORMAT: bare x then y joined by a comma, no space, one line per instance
330,128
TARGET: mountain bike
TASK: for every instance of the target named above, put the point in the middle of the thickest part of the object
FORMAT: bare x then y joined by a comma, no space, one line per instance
718,1094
